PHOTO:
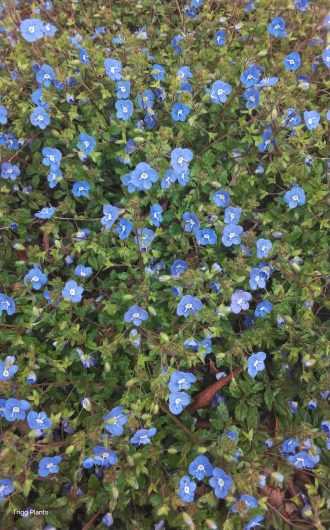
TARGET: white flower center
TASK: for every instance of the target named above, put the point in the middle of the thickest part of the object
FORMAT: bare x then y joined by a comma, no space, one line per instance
15,409
221,482
72,292
35,279
200,467
144,175
186,489
31,29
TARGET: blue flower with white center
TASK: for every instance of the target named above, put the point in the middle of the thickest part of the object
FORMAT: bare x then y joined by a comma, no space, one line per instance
72,291
181,381
248,500
200,468
180,112
6,487
144,238
221,198
251,76
252,98
49,465
263,247
220,37
86,359
325,57
302,460
54,177
136,315
169,178
32,29
258,279
267,140
36,277
115,421
187,489
86,144
206,236
45,213
111,214
180,159
254,522
38,420
124,108
240,301
143,436
40,118
289,445
295,197
175,43
158,72
10,171
219,91
81,189
124,228
232,215
143,176
103,457
184,73
301,5
113,69
52,157
267,81
123,89
45,75
292,117
84,56
82,271
325,425
49,29
292,61
277,27
231,235
127,181
183,177
263,308
16,409
188,305
256,363
191,222
156,214
220,482
178,267
178,401
7,368
146,99
7,304
3,115
311,119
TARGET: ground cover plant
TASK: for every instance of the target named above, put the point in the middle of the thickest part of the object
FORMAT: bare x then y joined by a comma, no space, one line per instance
164,264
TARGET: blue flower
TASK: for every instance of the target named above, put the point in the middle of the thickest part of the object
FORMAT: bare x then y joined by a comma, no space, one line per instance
82,271
267,81
113,69
49,30
49,465
81,189
38,420
37,98
248,500
184,73
178,401
302,460
220,482
200,468
7,304
206,236
258,278
252,98
191,222
221,198
232,215
6,487
178,267
277,27
86,359
136,315
255,521
7,368
240,301
143,436
301,5
16,409
188,305
187,489
45,75
144,238
143,176
146,99
9,171
40,118
36,277
158,72
263,247
289,445
72,291
123,89
107,519
263,308
181,381
32,29
124,228
111,214
3,115
251,76
295,197
219,91
183,177
292,117
103,457
311,119
292,61
52,157
175,43
220,37
256,363
325,58
231,235
180,112
267,140
115,421
124,109
86,144
45,213
84,56
180,159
